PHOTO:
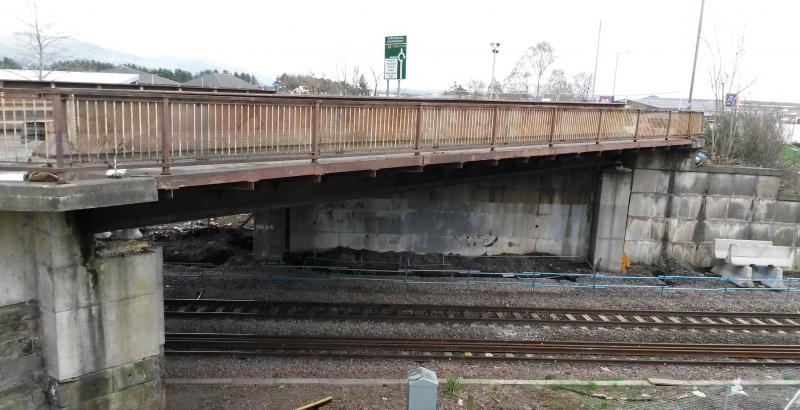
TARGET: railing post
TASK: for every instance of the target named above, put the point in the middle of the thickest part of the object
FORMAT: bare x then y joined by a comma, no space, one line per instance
315,133
599,127
553,126
636,127
60,133
689,124
495,125
166,136
669,122
418,135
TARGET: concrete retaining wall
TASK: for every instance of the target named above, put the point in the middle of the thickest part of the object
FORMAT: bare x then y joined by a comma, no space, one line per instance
676,210
548,212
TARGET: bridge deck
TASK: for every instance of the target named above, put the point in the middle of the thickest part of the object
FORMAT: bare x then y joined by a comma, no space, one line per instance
261,136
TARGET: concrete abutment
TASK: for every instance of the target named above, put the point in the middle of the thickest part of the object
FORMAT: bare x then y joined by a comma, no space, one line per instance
83,330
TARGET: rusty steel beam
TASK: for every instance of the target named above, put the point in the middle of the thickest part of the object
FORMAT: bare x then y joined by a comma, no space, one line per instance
267,171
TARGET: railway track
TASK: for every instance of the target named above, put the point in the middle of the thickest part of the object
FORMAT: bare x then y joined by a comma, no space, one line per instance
422,349
658,319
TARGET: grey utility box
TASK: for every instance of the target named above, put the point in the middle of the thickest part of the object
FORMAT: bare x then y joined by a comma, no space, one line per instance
423,387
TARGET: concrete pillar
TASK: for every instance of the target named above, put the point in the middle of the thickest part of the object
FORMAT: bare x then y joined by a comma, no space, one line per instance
269,235
101,323
610,219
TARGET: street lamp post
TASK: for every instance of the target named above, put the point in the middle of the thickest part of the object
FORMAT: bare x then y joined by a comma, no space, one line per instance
614,84
495,50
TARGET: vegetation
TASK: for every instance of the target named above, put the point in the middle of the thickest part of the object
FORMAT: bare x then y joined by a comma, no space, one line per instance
9,64
792,154
311,84
80,64
747,138
451,386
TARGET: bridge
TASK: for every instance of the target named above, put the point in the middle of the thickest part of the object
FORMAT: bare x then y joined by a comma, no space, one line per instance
99,159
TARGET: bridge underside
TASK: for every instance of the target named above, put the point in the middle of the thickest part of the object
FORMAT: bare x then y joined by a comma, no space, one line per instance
226,190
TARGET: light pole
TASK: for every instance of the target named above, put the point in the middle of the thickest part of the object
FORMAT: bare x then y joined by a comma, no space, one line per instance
596,56
495,50
614,85
696,48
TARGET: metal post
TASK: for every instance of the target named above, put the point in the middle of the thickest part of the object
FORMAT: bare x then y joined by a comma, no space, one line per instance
418,135
166,136
696,49
387,88
553,126
596,56
60,133
669,122
494,127
315,133
636,127
599,127
398,87
614,85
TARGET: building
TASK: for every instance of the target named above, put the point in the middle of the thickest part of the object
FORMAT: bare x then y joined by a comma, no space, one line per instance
221,80
145,78
69,77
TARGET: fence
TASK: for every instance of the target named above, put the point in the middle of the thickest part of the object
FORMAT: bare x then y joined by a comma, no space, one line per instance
99,129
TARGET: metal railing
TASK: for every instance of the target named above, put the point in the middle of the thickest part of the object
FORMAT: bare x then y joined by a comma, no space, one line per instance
97,129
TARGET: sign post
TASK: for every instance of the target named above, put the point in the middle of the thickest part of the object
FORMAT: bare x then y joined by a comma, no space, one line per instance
395,53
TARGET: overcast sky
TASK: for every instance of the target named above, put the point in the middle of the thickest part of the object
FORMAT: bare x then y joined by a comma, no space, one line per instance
449,40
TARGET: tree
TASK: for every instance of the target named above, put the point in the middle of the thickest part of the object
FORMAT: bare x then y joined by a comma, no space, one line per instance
532,64
476,88
40,42
9,63
518,82
582,86
363,87
724,75
80,64
558,85
376,79
456,89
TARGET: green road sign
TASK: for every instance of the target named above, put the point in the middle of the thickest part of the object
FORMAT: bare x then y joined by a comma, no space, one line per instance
395,55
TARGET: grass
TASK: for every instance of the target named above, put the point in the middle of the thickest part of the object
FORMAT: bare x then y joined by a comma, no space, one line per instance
451,386
788,376
792,154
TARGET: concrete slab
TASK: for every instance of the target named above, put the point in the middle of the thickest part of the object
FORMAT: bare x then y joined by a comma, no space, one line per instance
52,197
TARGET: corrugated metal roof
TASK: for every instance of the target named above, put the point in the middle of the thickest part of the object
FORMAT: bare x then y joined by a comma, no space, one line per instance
144,77
69,77
218,80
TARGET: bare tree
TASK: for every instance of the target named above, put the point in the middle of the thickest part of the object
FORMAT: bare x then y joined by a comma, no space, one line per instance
518,81
558,86
533,64
582,86
40,42
475,88
724,75
376,79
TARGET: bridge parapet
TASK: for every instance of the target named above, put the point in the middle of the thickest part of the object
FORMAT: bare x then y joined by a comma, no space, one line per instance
85,129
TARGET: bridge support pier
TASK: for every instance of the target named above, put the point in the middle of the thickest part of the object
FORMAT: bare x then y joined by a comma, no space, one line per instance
610,219
269,235
84,325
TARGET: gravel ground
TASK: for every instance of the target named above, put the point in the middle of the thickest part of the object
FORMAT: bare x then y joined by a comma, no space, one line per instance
226,366
180,283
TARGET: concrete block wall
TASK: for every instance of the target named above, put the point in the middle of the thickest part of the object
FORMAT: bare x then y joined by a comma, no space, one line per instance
676,209
100,320
547,212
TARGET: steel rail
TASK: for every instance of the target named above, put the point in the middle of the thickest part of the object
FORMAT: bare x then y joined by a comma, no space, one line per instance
482,314
205,344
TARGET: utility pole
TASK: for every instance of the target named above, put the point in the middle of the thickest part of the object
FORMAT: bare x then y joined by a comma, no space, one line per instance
614,85
696,49
495,50
596,56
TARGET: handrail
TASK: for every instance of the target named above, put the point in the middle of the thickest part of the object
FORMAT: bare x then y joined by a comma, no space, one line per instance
76,129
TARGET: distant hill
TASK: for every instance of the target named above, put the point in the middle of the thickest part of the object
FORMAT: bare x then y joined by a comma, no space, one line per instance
73,49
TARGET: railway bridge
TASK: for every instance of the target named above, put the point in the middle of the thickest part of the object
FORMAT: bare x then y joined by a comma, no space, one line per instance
80,159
